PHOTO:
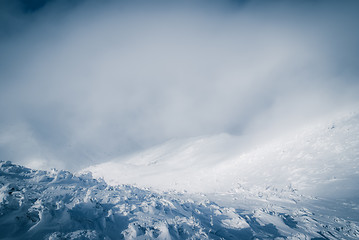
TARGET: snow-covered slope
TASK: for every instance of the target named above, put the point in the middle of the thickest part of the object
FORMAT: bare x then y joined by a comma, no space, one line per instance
320,160
302,185
59,205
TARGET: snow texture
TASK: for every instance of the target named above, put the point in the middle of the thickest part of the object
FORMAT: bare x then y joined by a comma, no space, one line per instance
60,205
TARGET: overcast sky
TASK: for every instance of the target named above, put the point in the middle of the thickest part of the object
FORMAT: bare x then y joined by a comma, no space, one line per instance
82,82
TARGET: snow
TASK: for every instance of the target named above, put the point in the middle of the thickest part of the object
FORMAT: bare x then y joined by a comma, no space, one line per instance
65,206
319,159
302,185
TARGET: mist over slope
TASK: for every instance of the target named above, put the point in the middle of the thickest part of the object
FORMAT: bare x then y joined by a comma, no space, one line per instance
320,159
302,185
197,119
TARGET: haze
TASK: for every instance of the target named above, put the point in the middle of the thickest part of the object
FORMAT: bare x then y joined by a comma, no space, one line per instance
82,82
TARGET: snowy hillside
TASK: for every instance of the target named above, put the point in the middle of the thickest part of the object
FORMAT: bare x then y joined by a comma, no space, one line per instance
59,205
321,159
303,185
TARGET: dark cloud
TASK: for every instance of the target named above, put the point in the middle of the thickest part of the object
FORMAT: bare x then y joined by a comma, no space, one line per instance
86,81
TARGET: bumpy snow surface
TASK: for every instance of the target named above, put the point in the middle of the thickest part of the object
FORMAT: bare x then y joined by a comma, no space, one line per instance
58,205
301,186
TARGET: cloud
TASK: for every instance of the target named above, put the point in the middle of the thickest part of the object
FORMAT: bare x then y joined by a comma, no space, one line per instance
82,83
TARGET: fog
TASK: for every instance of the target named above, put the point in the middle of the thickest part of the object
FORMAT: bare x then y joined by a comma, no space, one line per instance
82,82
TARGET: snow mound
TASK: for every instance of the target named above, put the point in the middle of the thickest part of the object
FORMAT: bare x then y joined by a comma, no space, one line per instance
60,205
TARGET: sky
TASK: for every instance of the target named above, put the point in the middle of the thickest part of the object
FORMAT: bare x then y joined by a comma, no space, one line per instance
82,82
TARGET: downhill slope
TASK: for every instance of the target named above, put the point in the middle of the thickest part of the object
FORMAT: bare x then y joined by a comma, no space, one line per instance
59,205
318,160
